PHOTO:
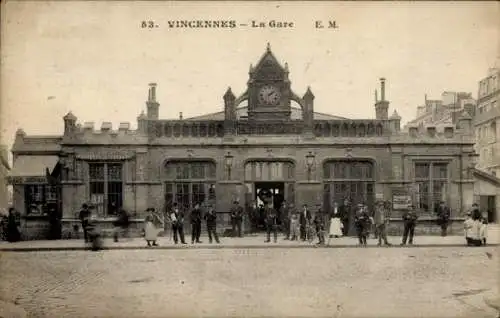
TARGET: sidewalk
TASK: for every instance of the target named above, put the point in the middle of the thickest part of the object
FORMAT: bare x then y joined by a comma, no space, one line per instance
251,241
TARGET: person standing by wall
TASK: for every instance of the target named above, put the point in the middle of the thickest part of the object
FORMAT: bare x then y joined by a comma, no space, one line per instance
336,225
410,221
320,224
236,218
285,220
271,222
443,217
362,223
381,220
13,233
211,218
84,217
345,214
196,224
177,218
294,223
304,220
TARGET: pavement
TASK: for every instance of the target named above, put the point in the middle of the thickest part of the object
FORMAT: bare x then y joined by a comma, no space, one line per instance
351,282
249,241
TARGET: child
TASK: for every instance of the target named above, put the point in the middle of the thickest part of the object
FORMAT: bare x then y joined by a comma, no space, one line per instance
319,222
294,226
150,231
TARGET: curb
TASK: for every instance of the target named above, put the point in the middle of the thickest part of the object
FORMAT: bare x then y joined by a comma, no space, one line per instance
216,247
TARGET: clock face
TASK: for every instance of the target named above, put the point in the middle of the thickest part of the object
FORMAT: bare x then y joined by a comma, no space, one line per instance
269,95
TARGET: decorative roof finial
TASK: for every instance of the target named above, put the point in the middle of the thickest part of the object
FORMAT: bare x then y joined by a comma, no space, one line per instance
268,47
286,67
251,68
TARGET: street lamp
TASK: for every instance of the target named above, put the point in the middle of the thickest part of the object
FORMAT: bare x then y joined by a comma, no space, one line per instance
309,162
228,160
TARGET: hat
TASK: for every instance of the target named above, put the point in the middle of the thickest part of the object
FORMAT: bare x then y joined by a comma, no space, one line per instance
468,213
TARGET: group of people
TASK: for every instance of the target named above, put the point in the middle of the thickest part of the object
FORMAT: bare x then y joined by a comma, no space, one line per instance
296,224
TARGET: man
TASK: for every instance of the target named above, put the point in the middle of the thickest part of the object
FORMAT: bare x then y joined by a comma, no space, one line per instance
121,224
409,220
319,222
304,220
285,220
196,224
271,223
211,218
84,217
236,218
443,214
362,223
177,219
294,223
344,214
381,220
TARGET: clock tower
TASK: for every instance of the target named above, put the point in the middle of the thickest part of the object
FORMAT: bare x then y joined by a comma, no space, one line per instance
269,90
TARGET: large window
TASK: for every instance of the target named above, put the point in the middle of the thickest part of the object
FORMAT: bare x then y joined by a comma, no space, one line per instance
106,187
37,196
189,182
431,179
353,180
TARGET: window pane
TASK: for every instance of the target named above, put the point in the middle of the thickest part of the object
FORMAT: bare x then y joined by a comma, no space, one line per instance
339,170
290,171
170,171
326,170
356,170
197,170
423,199
440,171
258,170
248,171
265,171
198,193
114,172
96,171
211,170
182,196
97,187
115,194
97,200
422,171
51,193
169,195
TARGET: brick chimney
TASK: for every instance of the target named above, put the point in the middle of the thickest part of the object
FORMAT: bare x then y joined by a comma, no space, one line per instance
382,106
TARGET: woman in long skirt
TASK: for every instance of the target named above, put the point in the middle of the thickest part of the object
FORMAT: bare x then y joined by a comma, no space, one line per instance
335,225
150,228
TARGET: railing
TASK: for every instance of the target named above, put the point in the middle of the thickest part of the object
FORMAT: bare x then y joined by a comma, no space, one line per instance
321,128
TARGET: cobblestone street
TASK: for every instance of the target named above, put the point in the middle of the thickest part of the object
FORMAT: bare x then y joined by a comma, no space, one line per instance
353,282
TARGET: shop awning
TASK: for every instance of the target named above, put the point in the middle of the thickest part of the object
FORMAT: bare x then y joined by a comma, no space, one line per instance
32,169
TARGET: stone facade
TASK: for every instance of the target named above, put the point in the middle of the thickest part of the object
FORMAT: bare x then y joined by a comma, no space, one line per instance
221,157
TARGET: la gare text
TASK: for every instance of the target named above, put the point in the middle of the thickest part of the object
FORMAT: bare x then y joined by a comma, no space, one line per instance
231,24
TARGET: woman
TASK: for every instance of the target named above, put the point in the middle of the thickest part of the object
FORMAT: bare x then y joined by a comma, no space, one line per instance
153,225
335,223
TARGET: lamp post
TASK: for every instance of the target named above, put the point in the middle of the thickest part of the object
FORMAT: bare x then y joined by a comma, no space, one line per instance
228,161
309,162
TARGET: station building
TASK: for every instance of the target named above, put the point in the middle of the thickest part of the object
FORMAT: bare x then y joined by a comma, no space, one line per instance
276,142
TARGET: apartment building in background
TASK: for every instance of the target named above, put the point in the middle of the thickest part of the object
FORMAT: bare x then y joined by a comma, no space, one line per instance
445,111
486,123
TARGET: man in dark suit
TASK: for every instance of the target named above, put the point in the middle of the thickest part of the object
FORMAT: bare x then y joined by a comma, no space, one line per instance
443,217
177,219
84,217
304,220
410,221
236,218
344,213
285,219
271,222
196,217
211,218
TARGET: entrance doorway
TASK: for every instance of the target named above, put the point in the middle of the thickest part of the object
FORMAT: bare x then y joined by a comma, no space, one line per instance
488,203
275,191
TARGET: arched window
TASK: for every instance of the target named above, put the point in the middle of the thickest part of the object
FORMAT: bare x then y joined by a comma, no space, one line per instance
493,131
189,182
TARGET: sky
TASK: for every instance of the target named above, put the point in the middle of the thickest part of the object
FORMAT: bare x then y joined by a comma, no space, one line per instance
94,59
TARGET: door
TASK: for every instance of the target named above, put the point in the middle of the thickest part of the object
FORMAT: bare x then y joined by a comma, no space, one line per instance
491,208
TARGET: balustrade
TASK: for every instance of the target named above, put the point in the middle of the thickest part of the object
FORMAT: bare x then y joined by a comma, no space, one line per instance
322,128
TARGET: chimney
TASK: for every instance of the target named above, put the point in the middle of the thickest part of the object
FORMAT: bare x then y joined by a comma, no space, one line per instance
180,115
152,92
382,89
152,105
